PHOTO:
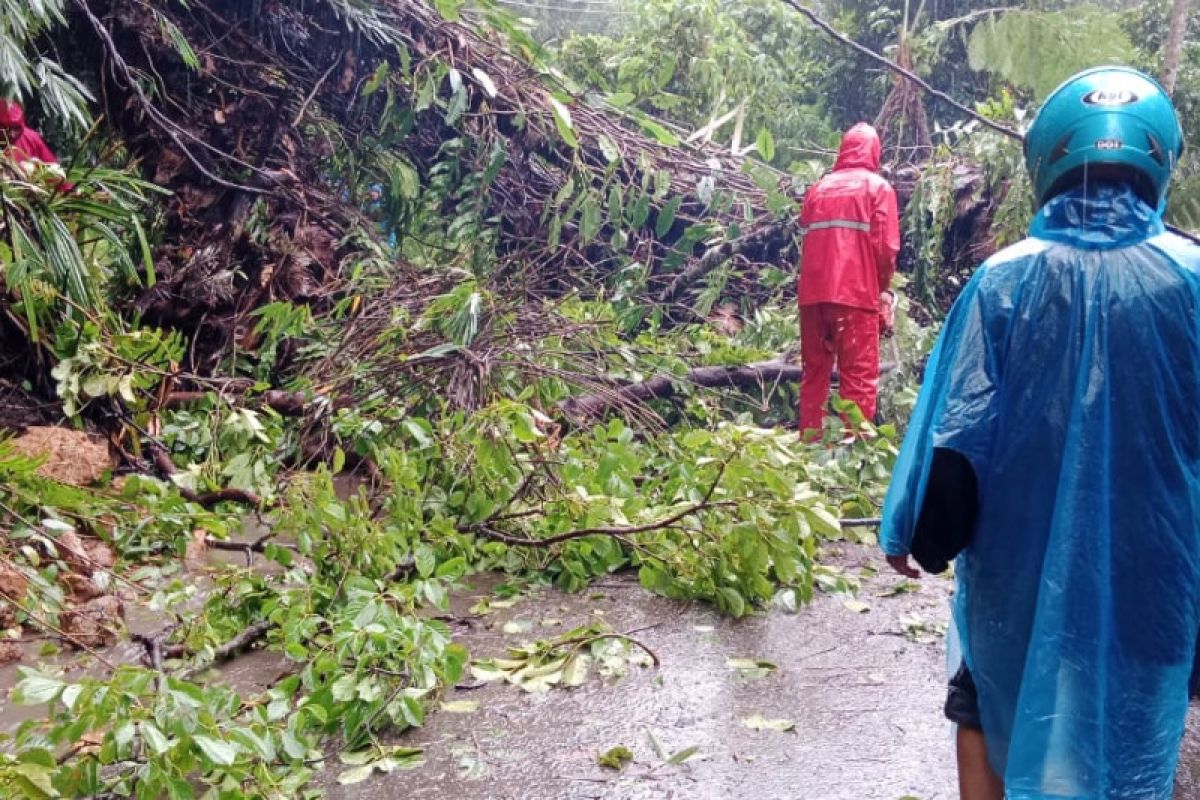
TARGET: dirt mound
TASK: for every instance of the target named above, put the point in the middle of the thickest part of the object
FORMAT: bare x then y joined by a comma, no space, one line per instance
70,456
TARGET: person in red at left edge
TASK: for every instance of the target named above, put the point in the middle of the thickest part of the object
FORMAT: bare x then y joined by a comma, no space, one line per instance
851,232
21,142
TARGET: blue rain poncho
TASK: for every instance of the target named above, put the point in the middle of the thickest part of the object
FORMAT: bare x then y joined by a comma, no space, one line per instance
1067,380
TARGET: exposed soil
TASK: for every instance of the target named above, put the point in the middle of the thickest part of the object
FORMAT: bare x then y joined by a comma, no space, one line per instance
70,456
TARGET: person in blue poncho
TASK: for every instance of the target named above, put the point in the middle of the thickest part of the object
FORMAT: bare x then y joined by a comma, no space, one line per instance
1054,455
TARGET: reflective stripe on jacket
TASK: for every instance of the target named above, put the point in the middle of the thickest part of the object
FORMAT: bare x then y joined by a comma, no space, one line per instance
851,228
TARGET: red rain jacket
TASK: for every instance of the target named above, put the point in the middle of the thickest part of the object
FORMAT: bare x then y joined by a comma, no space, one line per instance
851,228
23,143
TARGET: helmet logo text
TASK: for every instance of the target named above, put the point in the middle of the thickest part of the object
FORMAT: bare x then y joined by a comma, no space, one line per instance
1108,144
1109,97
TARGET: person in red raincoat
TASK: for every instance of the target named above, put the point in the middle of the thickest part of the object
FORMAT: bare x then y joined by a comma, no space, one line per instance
19,141
851,234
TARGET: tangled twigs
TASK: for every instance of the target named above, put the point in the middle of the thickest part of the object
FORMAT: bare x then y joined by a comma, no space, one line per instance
584,641
162,460
157,649
491,532
166,125
249,635
288,404
153,645
591,407
712,258
259,545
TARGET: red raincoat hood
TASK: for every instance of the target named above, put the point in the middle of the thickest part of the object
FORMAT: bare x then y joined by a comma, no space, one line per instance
11,115
861,149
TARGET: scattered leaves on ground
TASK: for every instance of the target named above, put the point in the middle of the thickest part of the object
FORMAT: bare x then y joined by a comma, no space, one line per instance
751,667
760,723
615,757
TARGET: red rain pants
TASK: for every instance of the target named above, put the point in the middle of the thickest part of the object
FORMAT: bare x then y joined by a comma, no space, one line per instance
848,337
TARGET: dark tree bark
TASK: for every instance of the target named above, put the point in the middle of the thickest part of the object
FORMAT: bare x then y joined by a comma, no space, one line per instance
1173,54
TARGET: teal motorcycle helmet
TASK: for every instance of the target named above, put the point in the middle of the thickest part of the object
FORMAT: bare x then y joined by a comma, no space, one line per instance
1105,123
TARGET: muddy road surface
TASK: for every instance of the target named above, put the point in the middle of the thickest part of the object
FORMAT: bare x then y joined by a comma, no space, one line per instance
859,679
840,700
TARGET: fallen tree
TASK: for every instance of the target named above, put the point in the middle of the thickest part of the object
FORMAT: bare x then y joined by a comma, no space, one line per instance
759,377
264,205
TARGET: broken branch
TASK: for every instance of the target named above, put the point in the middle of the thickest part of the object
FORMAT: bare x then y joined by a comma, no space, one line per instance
249,636
490,532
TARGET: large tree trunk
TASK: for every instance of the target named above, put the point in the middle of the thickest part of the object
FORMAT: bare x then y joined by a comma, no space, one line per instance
1174,47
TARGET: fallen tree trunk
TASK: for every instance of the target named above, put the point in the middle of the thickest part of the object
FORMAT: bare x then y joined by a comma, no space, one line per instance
590,407
747,377
775,237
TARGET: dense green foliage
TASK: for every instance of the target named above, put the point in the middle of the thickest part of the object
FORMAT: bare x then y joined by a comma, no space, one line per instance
442,364
746,66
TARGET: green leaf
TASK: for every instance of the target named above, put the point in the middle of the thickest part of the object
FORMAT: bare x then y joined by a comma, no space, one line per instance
217,751
35,688
71,694
1039,49
576,670
155,739
252,742
34,781
640,212
666,71
458,105
621,99
356,774
590,221
460,706
182,46
766,145
760,723
824,523
377,80
684,754
666,217
449,9
39,756
609,148
356,758
451,569
731,600
344,688
487,671
660,134
293,746
615,757
751,667
562,121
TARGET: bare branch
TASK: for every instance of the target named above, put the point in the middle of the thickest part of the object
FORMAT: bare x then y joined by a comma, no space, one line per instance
500,536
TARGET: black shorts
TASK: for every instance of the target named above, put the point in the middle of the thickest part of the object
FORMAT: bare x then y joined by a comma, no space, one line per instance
962,700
